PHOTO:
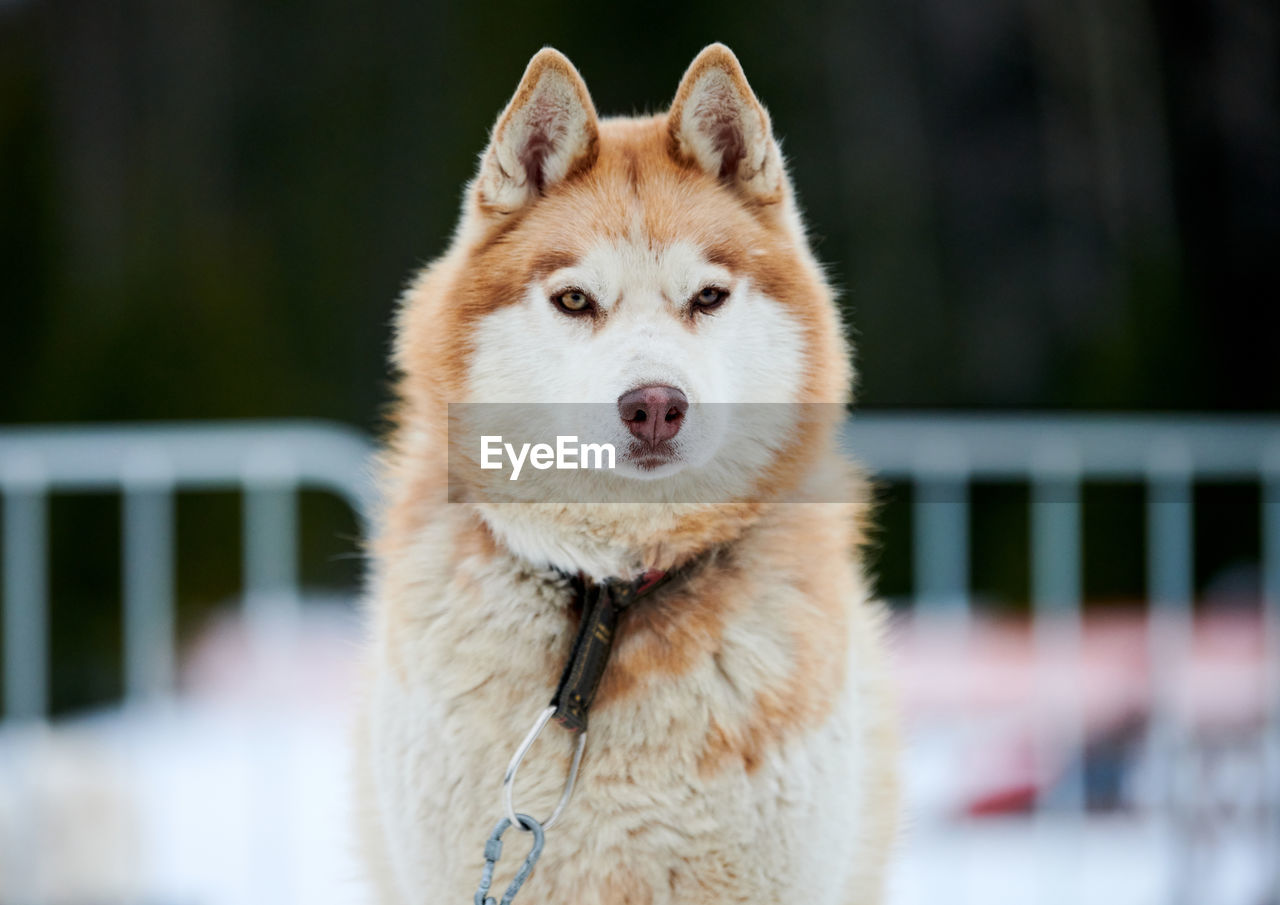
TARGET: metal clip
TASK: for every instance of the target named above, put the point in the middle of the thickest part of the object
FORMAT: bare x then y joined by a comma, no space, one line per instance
509,778
493,851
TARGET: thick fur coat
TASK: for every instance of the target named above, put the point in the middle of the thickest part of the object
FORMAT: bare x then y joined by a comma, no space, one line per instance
741,748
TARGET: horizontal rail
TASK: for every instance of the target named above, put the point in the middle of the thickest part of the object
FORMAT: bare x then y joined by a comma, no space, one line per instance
1105,447
197,455
894,445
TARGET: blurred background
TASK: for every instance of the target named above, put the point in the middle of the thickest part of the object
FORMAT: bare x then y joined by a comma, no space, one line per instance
208,207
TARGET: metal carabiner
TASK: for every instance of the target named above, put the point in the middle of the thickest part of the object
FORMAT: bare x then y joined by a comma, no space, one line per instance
493,851
509,778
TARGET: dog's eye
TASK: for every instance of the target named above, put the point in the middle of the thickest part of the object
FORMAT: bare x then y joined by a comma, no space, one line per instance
709,297
573,301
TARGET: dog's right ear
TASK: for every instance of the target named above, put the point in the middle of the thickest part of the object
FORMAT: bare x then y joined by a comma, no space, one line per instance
717,123
547,133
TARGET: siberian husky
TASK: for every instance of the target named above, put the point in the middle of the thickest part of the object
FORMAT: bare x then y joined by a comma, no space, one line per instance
742,743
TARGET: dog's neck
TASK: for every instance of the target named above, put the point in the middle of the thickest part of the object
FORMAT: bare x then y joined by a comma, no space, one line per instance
603,542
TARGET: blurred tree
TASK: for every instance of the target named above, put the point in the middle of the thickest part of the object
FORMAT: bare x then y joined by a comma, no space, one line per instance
209,205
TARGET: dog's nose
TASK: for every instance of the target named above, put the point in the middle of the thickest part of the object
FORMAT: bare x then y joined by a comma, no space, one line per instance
653,413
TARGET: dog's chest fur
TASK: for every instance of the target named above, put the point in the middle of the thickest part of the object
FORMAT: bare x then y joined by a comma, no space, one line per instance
704,779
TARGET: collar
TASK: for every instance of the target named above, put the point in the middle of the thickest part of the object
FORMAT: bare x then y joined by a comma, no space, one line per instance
601,604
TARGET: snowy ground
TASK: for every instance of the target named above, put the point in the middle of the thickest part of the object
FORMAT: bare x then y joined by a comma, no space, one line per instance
236,795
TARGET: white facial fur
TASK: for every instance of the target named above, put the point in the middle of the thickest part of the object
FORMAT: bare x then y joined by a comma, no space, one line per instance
749,350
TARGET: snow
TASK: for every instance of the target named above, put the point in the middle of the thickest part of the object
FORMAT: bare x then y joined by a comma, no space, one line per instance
235,792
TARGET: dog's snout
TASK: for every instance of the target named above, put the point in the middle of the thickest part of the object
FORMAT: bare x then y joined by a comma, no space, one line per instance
653,413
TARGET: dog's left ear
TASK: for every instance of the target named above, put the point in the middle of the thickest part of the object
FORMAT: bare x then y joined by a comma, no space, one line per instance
547,132
717,123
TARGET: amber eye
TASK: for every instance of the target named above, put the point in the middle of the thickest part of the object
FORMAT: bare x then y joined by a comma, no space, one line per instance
574,301
709,297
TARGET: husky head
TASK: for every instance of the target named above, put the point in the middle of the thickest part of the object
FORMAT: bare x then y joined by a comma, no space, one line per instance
635,281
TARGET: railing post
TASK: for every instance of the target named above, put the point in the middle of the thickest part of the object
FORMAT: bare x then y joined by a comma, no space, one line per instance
1056,597
1170,589
273,610
941,544
270,538
1058,638
1271,657
26,588
148,551
940,566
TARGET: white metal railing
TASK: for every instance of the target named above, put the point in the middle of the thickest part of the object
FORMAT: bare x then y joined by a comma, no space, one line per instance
939,454
147,465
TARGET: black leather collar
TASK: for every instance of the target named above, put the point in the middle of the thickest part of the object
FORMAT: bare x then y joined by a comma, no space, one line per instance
601,604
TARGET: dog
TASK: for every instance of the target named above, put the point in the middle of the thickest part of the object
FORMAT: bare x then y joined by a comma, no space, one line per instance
741,743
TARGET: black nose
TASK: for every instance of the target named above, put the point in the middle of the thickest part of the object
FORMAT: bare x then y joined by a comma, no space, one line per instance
653,413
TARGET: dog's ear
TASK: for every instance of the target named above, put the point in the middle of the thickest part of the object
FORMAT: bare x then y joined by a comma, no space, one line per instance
717,123
547,133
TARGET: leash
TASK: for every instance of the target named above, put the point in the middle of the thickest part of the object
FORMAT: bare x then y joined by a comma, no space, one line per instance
602,603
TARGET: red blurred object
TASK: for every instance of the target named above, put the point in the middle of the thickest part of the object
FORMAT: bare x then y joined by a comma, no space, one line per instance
994,705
